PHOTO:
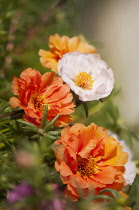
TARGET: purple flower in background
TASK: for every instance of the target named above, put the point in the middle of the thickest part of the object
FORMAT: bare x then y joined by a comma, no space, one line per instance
56,187
24,190
57,204
19,192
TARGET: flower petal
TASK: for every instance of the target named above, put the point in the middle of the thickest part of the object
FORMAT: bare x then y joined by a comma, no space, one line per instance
15,102
72,64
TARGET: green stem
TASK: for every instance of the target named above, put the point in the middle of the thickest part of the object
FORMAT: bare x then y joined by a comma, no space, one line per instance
43,122
86,108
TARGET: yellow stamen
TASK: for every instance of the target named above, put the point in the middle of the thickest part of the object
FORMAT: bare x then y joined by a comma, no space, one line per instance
39,102
87,167
84,80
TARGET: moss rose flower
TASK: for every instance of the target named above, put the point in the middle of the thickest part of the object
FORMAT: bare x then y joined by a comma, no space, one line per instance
87,75
59,45
34,91
89,160
130,168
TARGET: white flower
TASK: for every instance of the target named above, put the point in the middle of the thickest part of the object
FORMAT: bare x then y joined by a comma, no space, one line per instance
87,75
130,168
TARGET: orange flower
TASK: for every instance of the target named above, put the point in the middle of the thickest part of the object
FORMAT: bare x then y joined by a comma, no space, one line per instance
35,90
59,45
89,160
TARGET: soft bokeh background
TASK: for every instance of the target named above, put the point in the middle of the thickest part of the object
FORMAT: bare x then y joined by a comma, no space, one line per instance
114,27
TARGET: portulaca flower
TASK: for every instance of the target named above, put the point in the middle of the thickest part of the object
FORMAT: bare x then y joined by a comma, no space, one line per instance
130,168
87,75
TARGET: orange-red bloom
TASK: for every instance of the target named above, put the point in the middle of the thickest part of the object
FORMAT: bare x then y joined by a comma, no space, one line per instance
34,91
89,160
59,45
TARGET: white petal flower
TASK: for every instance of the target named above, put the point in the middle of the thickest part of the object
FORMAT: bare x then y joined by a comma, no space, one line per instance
87,75
130,168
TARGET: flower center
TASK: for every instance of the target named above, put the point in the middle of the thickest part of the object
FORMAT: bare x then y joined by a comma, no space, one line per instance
39,102
84,80
87,167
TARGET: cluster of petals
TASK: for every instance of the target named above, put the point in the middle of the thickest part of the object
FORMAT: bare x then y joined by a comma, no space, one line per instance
87,75
58,46
130,167
34,91
90,160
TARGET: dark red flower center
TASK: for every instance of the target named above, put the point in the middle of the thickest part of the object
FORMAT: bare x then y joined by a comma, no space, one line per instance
87,167
39,102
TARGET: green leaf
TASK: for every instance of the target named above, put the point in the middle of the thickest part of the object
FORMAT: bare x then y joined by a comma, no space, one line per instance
31,126
48,127
101,197
54,133
26,123
85,108
50,136
43,122
115,193
31,129
35,136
